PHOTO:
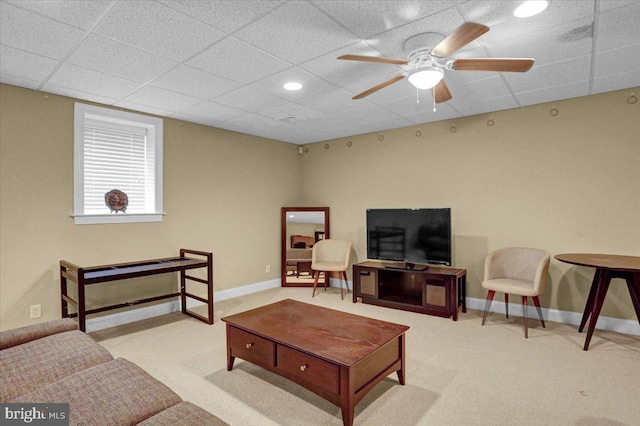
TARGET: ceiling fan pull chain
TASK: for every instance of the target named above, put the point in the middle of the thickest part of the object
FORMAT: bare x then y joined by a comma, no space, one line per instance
434,98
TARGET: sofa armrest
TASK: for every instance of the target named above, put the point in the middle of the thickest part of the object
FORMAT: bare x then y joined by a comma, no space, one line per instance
18,336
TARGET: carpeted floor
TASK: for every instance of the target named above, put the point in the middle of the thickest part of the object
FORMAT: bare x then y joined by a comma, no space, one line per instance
458,373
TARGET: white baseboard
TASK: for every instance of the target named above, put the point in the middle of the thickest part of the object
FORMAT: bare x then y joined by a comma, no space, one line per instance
566,317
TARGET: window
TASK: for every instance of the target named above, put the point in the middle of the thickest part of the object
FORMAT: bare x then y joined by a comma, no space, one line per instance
116,150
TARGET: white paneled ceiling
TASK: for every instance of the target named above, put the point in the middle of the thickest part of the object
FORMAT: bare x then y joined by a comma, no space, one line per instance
223,63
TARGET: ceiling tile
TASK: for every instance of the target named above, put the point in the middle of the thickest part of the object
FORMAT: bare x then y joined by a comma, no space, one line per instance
617,82
53,39
19,81
225,15
213,111
81,14
550,94
223,63
78,94
391,43
26,65
249,99
368,18
615,61
236,60
110,56
143,108
345,72
569,40
498,15
158,29
311,85
291,109
329,102
193,82
89,81
619,27
162,98
296,32
550,75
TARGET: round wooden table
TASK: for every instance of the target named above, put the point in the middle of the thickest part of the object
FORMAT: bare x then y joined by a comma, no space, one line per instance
607,266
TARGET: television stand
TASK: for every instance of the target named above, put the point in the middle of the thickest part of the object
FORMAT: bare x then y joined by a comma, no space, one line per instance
410,267
436,290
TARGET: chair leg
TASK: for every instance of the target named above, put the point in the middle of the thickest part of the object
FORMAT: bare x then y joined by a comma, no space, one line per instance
506,303
341,288
316,275
524,314
487,305
536,302
346,282
326,280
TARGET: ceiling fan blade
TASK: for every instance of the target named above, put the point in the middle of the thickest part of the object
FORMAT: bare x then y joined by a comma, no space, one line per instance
459,38
441,92
373,59
493,64
378,87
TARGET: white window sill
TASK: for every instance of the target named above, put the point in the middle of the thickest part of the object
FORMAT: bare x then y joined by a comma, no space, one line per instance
90,219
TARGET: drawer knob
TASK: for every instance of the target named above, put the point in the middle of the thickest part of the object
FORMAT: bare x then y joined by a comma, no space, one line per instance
303,367
248,345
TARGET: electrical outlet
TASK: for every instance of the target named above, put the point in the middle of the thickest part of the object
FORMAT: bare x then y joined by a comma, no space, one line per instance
36,311
267,269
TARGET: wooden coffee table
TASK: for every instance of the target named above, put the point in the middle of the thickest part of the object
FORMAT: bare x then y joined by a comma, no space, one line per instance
336,355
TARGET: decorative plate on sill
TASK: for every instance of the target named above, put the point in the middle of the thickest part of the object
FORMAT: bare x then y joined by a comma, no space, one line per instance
116,200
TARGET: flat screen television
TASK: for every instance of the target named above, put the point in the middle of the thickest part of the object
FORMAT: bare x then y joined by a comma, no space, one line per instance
410,235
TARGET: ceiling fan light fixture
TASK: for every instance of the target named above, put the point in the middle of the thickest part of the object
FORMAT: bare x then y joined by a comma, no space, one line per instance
426,78
530,8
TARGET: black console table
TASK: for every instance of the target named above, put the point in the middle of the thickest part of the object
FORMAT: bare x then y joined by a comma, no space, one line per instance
84,276
433,290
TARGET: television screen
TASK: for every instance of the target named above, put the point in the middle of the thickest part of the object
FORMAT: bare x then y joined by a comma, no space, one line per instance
410,235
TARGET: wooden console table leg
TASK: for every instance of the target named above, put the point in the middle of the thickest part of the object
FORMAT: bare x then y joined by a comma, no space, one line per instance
63,293
347,396
82,312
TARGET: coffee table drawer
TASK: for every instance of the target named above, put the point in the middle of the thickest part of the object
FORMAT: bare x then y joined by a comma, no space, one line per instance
309,369
251,347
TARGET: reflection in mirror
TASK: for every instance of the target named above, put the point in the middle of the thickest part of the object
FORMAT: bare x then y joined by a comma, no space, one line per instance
302,227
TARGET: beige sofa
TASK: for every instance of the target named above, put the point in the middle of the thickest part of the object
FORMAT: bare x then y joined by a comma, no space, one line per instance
296,255
55,362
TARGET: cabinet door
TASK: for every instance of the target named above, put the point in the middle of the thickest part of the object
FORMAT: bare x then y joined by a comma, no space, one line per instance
366,282
436,293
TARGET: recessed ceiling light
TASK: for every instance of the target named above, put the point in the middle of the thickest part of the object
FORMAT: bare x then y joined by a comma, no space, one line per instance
292,85
530,8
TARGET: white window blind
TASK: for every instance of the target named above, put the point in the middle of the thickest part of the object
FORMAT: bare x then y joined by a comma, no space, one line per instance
122,151
116,157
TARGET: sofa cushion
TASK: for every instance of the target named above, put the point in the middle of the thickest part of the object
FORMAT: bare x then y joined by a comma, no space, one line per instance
18,336
28,366
117,392
184,414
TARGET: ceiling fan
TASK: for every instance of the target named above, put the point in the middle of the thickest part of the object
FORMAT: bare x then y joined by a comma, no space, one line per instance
426,64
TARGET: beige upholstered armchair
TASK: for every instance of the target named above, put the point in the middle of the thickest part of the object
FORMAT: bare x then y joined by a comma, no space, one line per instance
516,270
330,256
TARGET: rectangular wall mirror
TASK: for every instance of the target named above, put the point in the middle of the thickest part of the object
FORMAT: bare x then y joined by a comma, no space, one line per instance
302,227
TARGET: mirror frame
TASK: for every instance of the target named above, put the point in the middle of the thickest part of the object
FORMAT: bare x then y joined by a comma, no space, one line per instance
283,241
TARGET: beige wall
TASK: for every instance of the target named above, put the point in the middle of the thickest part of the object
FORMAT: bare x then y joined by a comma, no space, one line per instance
569,183
222,193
